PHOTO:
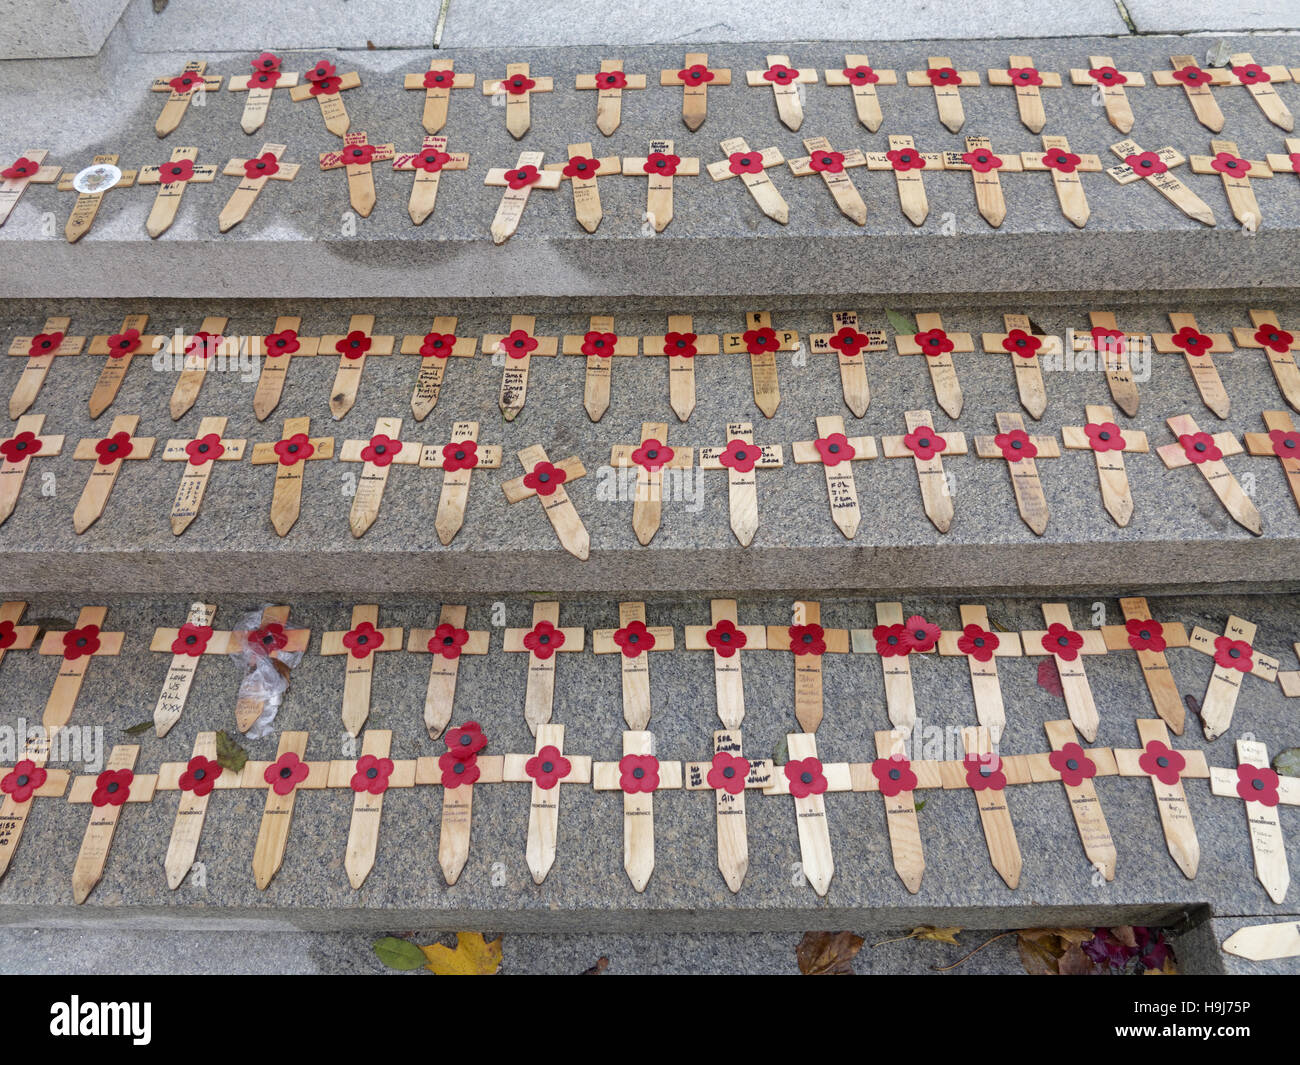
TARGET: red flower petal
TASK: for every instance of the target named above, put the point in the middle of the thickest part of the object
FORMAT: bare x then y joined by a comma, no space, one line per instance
381,450
447,640
191,640
207,448
1145,635
638,773
581,167
294,449
1200,447
652,455
745,162
740,456
662,163
545,478
1104,436
834,449
1016,445
634,639
544,639
725,638
978,643
728,772
462,456
114,448
1018,342
924,442
805,777
21,447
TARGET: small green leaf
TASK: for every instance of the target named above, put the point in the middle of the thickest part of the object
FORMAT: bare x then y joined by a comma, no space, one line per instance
781,753
1287,763
400,954
901,324
136,730
229,754
920,804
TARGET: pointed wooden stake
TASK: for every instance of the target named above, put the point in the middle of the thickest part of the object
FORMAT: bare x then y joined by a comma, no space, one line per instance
831,165
1236,173
172,179
327,85
1067,646
849,343
542,641
907,164
727,776
276,352
1108,442
25,780
107,454
190,84
428,164
1076,768
458,458
260,86
255,172
784,82
630,640
1167,768
1196,84
694,78
1110,84
195,780
186,645
120,348
195,356
295,446
660,165
638,775
836,452
940,75
895,639
1206,453
1019,450
1264,942
458,770
1149,638
446,644
650,458
515,93
984,167
356,157
926,448
518,183
437,83
16,453
1281,441
207,447
740,458
106,792
269,640
987,775
858,72
1243,70
1197,347
1280,347
681,345
1027,81
40,351
359,644
1262,790
750,165
599,344
376,454
896,778
90,185
762,342
1024,345
434,349
282,780
1065,166
546,482
1114,347
352,349
726,638
609,85
806,779
981,647
1235,658
546,769
807,641
581,172
1153,167
517,349
937,346
77,646
28,169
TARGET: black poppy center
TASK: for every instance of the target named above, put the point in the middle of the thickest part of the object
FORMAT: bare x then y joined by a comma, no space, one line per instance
653,453
978,641
986,770
465,741
82,641
725,637
458,768
1235,653
1145,634
292,449
923,442
371,773
891,640
380,449
740,456
548,767
112,788
1063,641
260,165
834,449
1200,445
1071,763
286,773
543,477
1162,762
806,637
191,639
200,774
460,454
363,639
661,162
638,773
729,772
744,160
806,777
22,780
1257,784
544,638
895,774
20,445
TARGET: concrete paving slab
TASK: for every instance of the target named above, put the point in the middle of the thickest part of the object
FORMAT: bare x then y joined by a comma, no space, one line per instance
1187,16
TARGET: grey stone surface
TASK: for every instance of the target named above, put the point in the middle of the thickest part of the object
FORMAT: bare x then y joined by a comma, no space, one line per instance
1184,16
718,244
1180,536
587,890
38,29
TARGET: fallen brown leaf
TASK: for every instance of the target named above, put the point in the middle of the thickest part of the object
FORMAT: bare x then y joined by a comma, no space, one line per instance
827,953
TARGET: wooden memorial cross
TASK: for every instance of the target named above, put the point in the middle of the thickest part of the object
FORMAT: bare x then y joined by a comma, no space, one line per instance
821,159
186,645
859,73
446,644
1154,168
807,779
1166,768
940,75
762,342
260,86
609,84
12,635
1026,80
1076,768
1262,790
457,458
1235,658
937,345
518,183
984,166
517,89
377,454
353,348
172,179
907,163
581,172
896,778
726,639
848,342
1108,442
1206,452
987,775
25,780
638,775
926,448
1107,340
356,157
270,639
694,78
295,446
630,641
1243,70
895,639
651,457
106,792
120,348
1197,347
807,641
276,351
324,82
518,347
784,81
282,779
542,641
660,165
1236,173
1196,84
599,344
1019,449
546,769
750,166
458,769
90,185
1149,638
208,446
28,169
428,164
1290,162
1110,84
740,458
437,83
27,443
1066,167
108,454
196,357
982,647
77,646
681,344
727,775
359,644
837,452
255,172
434,349
1282,441
546,481
195,779
1066,646
191,82
40,351
1280,346
1023,345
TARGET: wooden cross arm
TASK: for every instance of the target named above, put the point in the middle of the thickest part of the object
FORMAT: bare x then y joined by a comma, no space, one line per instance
1001,76
492,86
1281,163
463,348
574,637
839,777
110,643
609,164
495,342
892,447
149,344
220,643
477,644
1075,437
409,455
1047,447
331,643
69,345
804,451
491,769
734,343
513,771
318,775
341,772
588,81
233,450
45,175
1015,767
152,175
907,345
548,179
1040,765
864,643
1127,761
1265,666
1204,164
332,160
351,80
1224,782
1277,72
721,76
992,344
602,640
455,161
1087,163
1220,343
458,81
634,166
605,776
771,458
1124,174
432,457
769,157
1008,643
705,344
379,343
56,782
1257,444
837,640
296,640
921,79
623,345
1011,163
927,776
1116,636
621,455
1094,643
697,637
515,489
803,75
1174,457
1132,78
880,161
1244,335
877,340
264,452
239,82
211,82
142,448
697,775
52,444
286,172
802,166
836,76
169,776
1218,76
143,786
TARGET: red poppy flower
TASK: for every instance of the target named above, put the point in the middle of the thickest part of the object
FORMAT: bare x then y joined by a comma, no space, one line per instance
548,767
204,344
45,343
725,638
518,85
924,442
834,449
680,344
1256,784
759,340
362,640
662,163
1062,641
943,76
1295,162
112,448
458,769
207,448
696,74
1231,165
1145,635
200,776
284,342
1193,76
523,177
1162,762
1233,654
266,61
22,167
430,160
601,344
827,162
891,641
805,777
286,773
372,774
326,87
1107,76
26,777
978,643
611,79
381,450
322,71
354,345
545,478
462,456
894,775
933,342
861,75
905,159
468,739
436,79
921,634
1286,445
8,634
780,74
1274,339
1015,445
848,341
294,449
1024,76
1104,436
191,640
519,343
807,639
1018,342
176,170
634,639
112,787
638,773
447,640
652,455
358,154
124,343
186,82
263,79
438,345
740,456
1073,764
1200,447
22,446
1058,159
269,638
745,162
984,772
78,643
1251,74
728,773
264,166
581,167
1192,341
1147,164
544,639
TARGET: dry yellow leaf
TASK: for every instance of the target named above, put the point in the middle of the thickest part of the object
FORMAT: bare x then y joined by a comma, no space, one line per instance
936,935
472,956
